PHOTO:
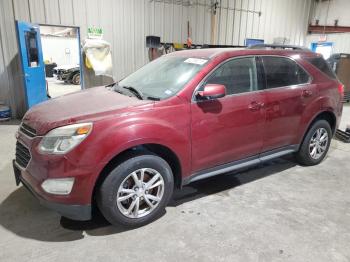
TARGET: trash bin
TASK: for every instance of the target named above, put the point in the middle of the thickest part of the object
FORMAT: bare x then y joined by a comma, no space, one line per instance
49,69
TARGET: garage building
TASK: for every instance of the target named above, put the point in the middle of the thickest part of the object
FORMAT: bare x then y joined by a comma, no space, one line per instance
126,24
241,153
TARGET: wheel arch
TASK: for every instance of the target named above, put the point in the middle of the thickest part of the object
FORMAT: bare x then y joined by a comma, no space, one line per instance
157,149
327,115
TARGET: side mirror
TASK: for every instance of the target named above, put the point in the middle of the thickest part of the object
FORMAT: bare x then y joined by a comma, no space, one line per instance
212,91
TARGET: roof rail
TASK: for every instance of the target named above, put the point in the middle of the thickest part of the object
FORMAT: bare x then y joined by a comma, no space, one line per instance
274,46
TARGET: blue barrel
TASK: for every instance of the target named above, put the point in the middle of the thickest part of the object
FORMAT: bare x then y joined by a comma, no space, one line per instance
5,113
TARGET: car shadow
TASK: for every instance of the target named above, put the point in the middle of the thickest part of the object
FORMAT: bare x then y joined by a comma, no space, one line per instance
224,182
22,214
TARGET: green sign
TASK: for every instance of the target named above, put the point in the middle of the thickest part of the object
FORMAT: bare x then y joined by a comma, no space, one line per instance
95,32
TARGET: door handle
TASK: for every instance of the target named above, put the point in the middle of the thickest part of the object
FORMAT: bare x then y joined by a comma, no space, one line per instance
306,93
255,106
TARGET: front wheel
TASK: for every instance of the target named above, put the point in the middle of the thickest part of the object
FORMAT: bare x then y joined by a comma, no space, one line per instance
316,144
137,191
76,79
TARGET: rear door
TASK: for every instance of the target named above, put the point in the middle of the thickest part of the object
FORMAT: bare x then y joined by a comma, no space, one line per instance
288,91
228,128
32,63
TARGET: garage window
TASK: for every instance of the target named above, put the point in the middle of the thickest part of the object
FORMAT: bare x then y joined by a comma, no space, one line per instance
237,75
280,72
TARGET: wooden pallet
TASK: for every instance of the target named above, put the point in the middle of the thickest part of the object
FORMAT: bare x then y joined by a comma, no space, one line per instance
346,97
343,136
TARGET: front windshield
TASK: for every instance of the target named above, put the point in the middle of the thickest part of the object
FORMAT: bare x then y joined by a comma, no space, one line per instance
163,77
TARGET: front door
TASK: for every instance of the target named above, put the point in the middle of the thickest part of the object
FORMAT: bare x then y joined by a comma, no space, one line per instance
33,67
229,128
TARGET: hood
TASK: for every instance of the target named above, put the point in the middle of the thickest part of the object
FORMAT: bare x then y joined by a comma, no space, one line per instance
87,105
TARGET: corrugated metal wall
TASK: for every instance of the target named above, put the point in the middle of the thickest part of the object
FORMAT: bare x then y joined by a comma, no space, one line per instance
279,19
327,12
127,22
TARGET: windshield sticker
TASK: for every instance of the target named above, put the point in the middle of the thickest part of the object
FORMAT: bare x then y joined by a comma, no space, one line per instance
196,61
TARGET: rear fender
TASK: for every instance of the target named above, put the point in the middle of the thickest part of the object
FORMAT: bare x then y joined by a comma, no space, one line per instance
314,109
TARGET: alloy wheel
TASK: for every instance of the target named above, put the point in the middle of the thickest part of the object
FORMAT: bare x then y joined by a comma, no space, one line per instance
140,193
318,143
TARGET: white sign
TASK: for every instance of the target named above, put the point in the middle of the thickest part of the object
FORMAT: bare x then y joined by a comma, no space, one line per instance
95,33
196,61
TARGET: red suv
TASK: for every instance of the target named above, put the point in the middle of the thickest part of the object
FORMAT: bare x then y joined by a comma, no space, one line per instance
186,116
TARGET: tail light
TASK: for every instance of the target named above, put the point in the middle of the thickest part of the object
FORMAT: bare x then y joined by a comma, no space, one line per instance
341,89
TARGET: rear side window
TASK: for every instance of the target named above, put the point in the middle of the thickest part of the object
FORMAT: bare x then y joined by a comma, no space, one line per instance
281,71
322,65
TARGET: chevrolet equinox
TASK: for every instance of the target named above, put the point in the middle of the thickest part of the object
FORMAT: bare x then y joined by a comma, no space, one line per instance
185,116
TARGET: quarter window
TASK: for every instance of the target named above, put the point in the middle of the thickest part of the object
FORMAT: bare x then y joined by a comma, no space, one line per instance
322,65
280,71
237,75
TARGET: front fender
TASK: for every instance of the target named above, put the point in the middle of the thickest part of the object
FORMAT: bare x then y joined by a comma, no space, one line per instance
112,136
177,141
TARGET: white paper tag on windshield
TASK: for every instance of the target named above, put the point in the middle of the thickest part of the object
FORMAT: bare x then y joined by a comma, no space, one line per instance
196,61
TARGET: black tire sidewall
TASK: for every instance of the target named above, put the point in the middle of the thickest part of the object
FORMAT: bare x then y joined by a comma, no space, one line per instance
303,156
108,191
74,79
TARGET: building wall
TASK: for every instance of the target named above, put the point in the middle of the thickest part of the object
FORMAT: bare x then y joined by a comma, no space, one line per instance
61,50
279,19
127,22
326,13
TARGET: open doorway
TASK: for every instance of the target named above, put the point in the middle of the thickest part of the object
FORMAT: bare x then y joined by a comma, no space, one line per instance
323,48
61,54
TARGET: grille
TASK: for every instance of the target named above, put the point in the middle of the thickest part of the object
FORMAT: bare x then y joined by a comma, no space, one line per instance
27,130
22,155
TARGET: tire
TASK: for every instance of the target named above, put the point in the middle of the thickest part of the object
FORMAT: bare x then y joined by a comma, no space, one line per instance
114,198
307,154
76,79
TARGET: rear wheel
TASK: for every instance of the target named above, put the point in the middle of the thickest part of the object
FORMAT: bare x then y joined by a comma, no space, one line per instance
137,191
316,144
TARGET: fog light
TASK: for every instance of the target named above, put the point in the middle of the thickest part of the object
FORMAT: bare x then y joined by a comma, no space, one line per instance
58,186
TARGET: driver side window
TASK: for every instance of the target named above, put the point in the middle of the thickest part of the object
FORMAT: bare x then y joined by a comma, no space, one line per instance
237,75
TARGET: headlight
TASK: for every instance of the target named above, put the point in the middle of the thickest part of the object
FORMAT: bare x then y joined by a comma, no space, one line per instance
63,139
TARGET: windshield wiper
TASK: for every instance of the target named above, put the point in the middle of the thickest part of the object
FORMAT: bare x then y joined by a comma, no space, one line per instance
153,98
133,90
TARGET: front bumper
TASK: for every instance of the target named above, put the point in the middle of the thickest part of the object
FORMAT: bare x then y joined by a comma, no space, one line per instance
75,212
64,76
